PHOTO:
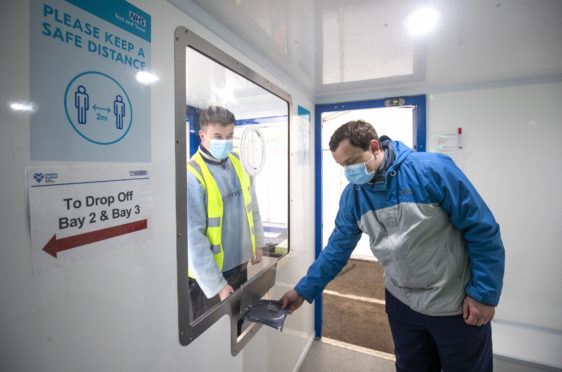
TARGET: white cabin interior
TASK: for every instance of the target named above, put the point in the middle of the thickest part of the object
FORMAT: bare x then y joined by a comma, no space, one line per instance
492,68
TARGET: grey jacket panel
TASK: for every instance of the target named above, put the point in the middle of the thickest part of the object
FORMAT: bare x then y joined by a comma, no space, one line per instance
424,256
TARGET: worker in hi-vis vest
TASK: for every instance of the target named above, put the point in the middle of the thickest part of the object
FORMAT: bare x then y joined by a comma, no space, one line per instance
224,225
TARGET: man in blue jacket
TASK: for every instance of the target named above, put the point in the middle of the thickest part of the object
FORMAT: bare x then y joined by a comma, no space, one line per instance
436,239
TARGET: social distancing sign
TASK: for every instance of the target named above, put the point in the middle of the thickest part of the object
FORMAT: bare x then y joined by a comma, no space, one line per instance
80,212
84,60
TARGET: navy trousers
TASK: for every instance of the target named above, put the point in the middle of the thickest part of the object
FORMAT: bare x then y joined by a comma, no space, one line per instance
435,343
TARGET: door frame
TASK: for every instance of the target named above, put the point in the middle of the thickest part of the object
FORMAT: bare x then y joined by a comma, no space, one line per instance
419,103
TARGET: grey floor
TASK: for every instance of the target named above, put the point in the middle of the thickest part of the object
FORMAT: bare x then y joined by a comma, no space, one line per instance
325,357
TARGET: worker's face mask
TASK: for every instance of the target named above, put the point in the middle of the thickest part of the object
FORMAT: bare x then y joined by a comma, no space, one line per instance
220,148
357,173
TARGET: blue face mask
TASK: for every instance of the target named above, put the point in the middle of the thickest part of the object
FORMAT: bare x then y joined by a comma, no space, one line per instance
220,148
357,173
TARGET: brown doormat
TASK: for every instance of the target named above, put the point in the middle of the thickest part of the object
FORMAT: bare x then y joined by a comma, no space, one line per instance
361,322
360,278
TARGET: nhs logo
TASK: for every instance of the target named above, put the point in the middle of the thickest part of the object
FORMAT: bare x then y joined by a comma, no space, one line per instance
140,20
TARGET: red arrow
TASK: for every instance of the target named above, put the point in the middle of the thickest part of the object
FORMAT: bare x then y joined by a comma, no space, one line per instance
54,246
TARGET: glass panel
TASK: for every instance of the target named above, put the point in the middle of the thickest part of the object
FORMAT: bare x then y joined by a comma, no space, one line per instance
237,180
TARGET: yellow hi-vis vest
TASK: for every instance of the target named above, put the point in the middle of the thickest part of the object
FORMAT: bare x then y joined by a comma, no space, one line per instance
198,168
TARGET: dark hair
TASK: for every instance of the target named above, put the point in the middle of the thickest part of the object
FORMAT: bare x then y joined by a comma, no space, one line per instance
359,132
216,115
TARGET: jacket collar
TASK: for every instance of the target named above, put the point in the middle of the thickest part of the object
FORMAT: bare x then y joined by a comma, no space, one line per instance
387,161
395,152
208,158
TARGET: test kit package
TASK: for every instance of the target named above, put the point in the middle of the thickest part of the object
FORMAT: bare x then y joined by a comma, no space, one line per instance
267,312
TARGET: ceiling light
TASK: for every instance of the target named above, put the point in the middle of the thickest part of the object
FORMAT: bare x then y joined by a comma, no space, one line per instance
23,106
422,21
146,77
224,96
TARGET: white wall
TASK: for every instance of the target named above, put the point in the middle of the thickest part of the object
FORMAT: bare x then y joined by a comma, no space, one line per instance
512,141
118,311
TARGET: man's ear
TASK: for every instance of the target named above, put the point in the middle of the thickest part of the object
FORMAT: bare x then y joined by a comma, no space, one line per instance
201,134
374,146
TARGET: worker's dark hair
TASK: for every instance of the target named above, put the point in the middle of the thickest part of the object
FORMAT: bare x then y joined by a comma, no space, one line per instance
359,132
216,115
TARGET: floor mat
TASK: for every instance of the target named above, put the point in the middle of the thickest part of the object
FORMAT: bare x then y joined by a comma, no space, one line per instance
360,319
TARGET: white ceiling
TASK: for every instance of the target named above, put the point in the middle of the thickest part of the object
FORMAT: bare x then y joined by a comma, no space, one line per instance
337,46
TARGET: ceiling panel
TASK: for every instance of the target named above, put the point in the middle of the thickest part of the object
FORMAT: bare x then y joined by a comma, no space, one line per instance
331,46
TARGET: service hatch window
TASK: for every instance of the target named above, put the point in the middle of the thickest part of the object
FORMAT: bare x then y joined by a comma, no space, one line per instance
232,181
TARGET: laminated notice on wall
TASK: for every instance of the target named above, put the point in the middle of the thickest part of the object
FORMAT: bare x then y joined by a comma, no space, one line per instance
450,142
80,212
89,70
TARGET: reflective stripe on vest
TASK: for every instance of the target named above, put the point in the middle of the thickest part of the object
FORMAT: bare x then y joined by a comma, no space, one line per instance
213,202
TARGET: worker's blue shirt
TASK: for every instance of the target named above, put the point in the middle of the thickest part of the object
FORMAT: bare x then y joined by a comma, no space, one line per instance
236,238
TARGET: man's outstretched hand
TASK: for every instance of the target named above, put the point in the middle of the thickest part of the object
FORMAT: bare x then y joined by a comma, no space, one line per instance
292,299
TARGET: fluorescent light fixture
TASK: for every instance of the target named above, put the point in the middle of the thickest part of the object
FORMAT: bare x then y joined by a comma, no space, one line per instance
422,21
146,77
23,106
224,96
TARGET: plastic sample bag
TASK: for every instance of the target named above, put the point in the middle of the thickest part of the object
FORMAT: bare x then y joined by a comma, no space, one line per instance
267,312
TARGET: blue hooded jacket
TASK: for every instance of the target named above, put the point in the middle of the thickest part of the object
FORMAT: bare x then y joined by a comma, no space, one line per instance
429,228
